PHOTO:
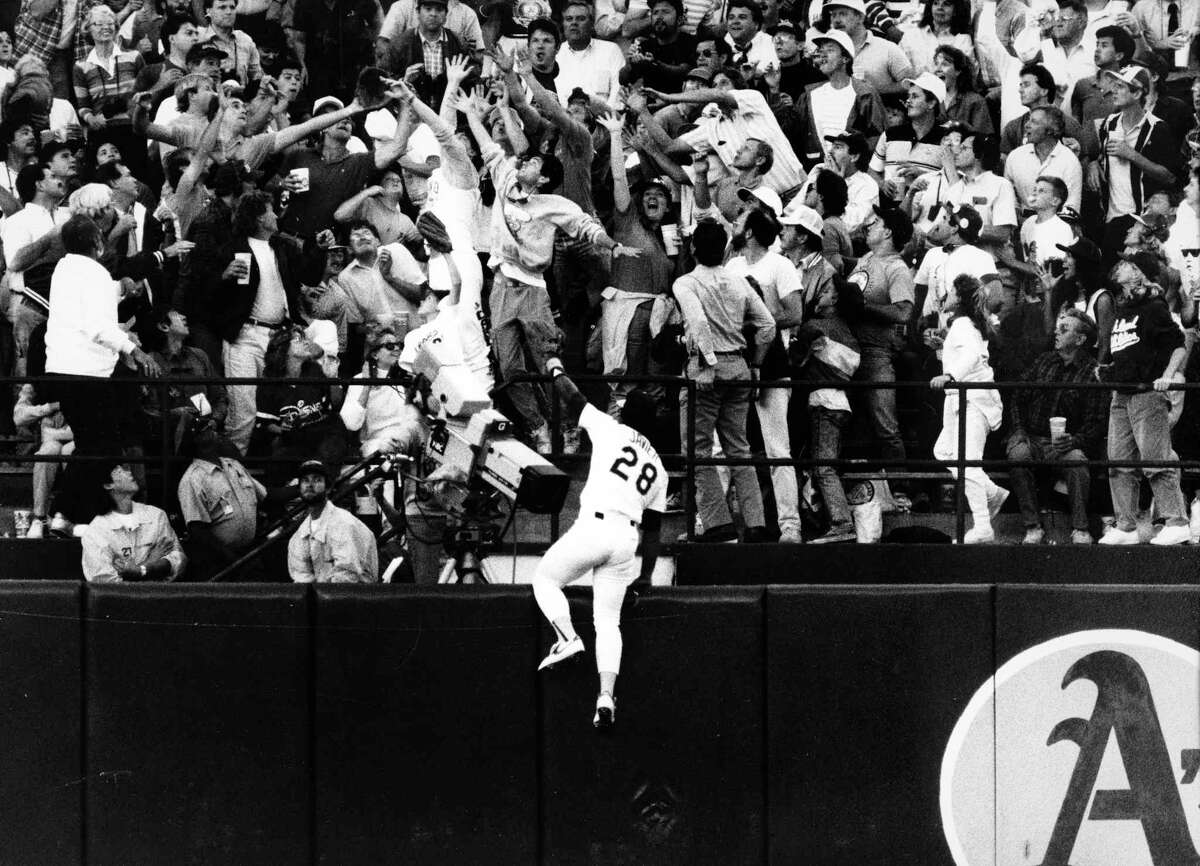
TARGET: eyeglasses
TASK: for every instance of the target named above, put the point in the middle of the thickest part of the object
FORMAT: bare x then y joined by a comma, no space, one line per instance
391,347
705,52
1066,19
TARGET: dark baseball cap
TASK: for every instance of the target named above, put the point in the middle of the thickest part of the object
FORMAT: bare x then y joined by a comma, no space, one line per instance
897,223
967,222
205,49
1082,250
785,26
856,141
1149,264
314,467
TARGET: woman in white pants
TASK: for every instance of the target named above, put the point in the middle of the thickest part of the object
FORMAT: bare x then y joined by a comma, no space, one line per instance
965,359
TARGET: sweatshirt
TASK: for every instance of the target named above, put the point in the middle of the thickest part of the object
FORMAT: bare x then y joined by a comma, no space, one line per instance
1143,337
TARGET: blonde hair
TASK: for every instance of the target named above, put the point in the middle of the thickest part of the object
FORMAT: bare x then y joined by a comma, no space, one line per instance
91,200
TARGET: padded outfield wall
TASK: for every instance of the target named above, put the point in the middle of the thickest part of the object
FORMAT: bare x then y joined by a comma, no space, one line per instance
807,724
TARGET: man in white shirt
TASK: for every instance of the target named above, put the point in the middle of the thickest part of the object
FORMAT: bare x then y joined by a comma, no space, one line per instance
84,338
1070,56
1044,154
594,65
776,280
751,46
848,155
977,185
876,60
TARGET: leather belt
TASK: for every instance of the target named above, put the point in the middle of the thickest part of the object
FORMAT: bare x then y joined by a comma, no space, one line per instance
274,326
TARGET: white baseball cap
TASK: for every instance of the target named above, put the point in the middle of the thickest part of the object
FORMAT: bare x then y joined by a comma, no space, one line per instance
764,194
841,37
805,217
857,5
930,83
326,102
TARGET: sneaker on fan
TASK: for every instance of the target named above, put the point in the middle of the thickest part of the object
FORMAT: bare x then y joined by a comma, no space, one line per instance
1034,535
37,528
61,527
1121,536
975,535
606,712
561,651
1169,535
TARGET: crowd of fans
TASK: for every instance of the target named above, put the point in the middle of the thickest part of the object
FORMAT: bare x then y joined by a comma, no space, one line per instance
751,192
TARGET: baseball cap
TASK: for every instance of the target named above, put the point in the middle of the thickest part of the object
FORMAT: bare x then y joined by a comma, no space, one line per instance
1147,263
839,36
805,217
856,141
930,83
701,73
1082,250
205,49
967,222
656,181
1157,223
327,102
895,221
310,467
1068,214
764,194
1134,76
784,26
857,5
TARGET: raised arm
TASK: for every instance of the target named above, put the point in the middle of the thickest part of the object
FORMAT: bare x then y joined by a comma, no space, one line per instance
614,125
202,153
700,96
287,137
142,125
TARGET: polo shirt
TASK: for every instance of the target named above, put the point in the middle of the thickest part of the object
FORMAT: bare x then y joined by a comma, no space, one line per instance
990,194
900,147
881,63
1023,167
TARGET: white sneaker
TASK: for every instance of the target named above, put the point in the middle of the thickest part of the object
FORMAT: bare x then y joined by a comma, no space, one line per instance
979,536
561,651
1172,535
1081,536
37,528
996,502
606,712
1034,535
1121,536
61,527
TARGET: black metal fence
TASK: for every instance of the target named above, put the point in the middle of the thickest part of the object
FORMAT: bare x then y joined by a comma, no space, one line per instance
687,458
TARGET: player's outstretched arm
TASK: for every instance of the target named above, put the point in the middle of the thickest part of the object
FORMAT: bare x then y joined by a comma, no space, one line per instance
651,541
566,391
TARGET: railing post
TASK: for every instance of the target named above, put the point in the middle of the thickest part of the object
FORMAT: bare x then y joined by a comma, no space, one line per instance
960,483
556,438
689,498
164,441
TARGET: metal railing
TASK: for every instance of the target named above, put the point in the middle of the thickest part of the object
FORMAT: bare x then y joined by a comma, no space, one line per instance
686,457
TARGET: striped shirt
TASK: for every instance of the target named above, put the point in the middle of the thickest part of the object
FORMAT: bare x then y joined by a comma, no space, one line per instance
97,81
434,53
42,37
243,62
725,134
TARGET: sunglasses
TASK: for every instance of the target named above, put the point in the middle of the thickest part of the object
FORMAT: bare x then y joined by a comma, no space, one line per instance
391,347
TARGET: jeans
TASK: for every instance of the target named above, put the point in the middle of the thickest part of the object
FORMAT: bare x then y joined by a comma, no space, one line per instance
524,337
723,409
425,536
244,357
1079,482
1138,430
876,365
639,363
826,426
977,486
772,408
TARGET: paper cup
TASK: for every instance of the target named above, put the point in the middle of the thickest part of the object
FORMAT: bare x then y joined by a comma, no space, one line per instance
300,174
1058,427
244,280
20,522
670,236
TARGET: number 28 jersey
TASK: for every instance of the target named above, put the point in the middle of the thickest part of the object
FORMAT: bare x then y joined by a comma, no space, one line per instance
626,475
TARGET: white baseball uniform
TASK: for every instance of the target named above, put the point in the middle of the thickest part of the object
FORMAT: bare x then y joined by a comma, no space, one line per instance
626,477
